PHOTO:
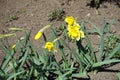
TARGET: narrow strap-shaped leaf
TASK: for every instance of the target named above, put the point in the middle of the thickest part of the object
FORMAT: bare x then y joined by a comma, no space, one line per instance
26,40
97,29
1,72
114,51
5,63
98,64
24,57
102,41
92,54
14,75
101,48
78,75
118,76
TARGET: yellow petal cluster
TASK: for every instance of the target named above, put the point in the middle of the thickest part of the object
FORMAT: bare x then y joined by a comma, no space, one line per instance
74,29
50,46
70,20
74,33
76,25
38,35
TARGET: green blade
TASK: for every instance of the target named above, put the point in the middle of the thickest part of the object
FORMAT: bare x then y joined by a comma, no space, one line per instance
98,64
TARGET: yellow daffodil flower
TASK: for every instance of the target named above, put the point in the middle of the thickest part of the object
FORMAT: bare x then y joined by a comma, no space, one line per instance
50,46
75,33
40,32
74,28
70,20
76,25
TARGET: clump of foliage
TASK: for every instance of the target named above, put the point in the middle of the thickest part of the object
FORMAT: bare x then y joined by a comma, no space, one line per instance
13,17
41,63
97,3
110,42
56,14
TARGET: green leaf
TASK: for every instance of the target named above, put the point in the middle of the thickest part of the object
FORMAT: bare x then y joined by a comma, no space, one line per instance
26,40
14,75
78,75
101,52
8,59
24,57
96,29
101,48
7,35
41,57
1,72
36,61
118,76
98,64
16,29
114,51
90,48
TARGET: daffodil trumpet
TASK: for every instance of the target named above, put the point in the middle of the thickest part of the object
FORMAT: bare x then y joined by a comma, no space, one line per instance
70,20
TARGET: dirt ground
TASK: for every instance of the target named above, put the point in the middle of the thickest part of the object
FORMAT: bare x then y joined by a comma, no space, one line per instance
34,14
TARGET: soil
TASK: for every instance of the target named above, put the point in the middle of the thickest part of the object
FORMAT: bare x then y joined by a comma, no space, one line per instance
34,14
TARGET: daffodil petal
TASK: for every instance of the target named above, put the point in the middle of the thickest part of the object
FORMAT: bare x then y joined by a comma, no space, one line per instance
50,46
82,35
70,20
38,35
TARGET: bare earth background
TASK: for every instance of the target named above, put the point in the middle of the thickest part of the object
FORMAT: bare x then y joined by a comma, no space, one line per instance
34,13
